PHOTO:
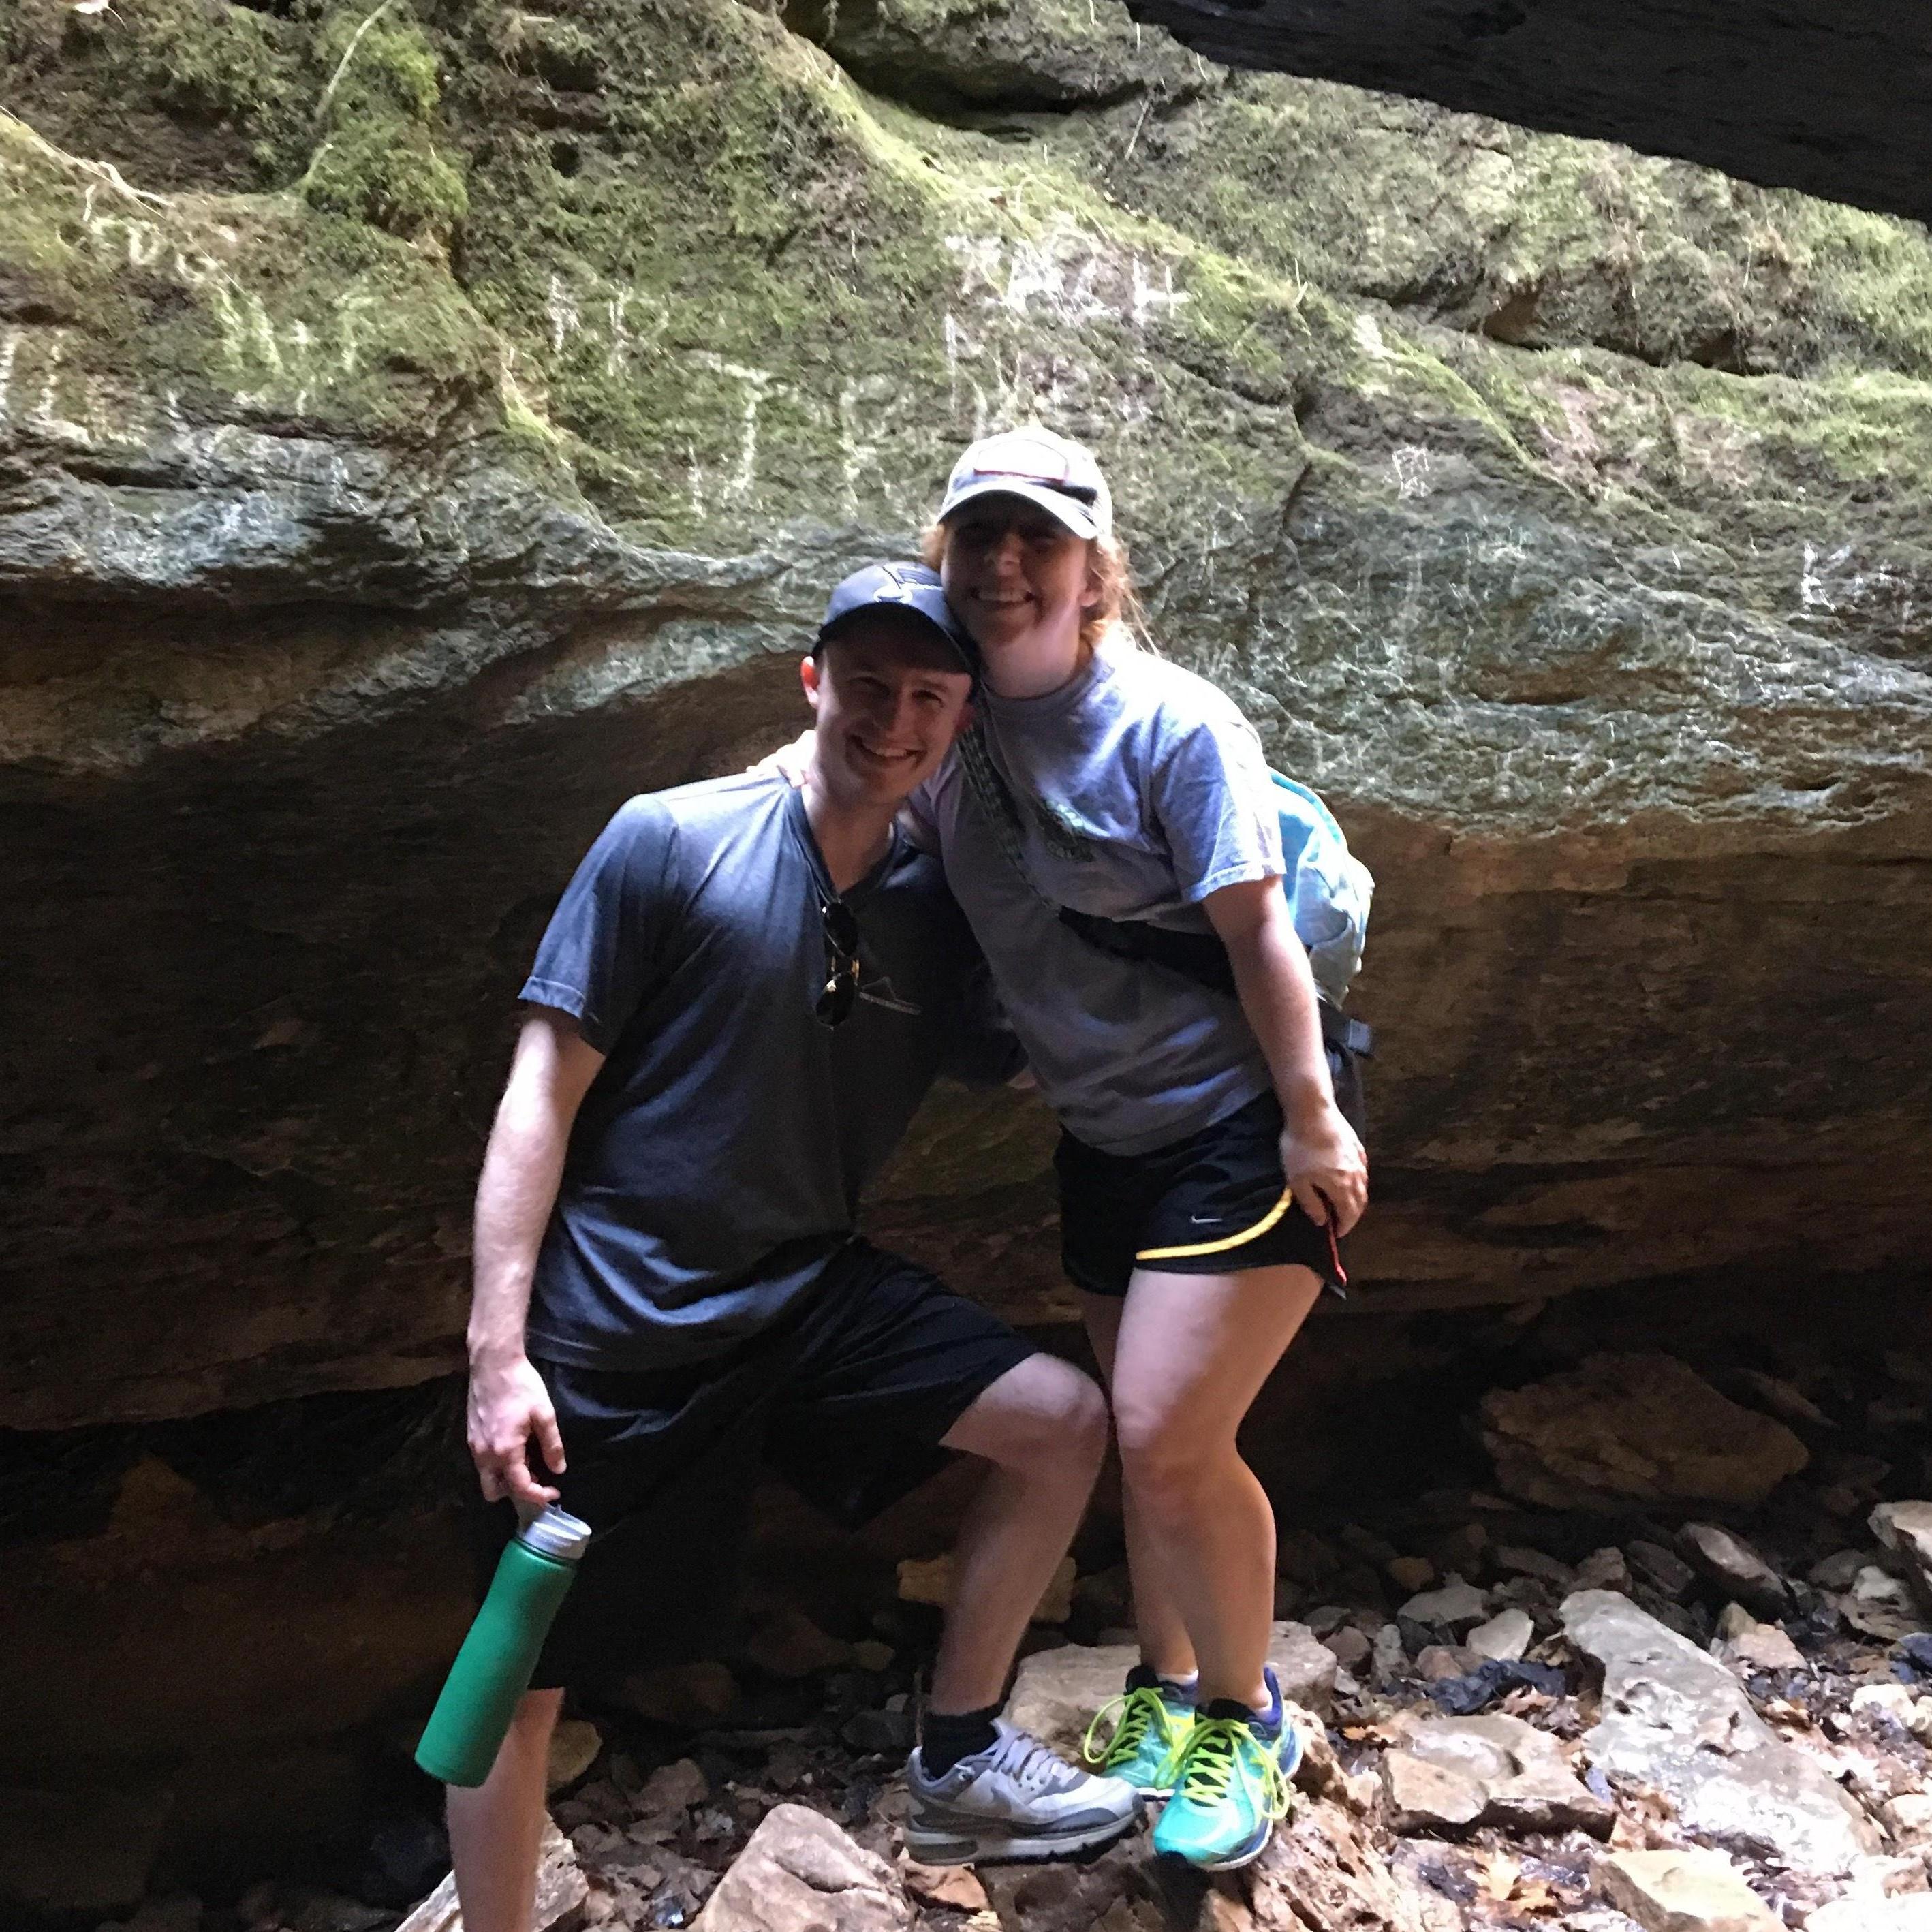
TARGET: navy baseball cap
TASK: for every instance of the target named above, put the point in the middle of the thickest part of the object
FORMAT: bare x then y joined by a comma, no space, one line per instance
898,586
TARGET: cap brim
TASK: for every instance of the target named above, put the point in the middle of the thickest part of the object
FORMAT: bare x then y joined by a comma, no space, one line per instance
898,608
1066,511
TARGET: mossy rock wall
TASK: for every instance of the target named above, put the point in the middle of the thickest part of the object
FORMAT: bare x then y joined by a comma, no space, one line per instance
421,426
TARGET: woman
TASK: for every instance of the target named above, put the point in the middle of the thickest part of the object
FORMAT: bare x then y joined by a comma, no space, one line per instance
1205,1168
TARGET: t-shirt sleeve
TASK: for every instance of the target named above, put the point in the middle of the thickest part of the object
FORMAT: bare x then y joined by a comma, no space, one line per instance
1213,800
984,1051
600,948
919,817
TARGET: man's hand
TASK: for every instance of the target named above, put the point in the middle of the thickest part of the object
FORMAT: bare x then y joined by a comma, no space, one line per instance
508,1406
1323,1161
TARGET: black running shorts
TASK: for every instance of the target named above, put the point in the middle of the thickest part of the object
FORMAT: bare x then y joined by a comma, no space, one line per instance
847,1399
1214,1203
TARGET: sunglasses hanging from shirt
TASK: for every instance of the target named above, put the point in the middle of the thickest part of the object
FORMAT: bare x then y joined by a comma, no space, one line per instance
841,929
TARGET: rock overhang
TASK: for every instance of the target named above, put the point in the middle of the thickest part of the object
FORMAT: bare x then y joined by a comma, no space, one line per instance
1821,96
1559,512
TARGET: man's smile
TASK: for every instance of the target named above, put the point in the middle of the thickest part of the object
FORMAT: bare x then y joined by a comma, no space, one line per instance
880,757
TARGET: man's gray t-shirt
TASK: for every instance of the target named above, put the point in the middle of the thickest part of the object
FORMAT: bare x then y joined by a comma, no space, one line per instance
1140,789
717,1159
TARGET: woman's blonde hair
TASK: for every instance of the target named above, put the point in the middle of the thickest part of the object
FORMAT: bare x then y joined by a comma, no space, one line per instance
1118,614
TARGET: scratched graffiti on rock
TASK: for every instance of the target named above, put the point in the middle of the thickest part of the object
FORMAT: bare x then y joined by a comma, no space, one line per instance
1014,340
267,361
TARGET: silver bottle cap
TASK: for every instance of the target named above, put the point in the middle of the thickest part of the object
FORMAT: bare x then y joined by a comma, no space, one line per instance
556,1533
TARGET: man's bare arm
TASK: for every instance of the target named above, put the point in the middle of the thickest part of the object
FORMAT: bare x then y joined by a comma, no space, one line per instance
1322,1157
550,1074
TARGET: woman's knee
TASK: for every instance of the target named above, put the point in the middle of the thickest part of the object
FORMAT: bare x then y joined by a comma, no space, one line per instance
1169,1463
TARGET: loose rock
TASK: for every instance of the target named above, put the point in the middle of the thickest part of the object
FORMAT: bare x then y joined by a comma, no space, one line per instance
1783,1400
674,1787
1685,1892
1410,1574
1912,1913
693,1695
1420,1796
1836,1572
574,1746
561,1889
1350,1646
1520,1779
952,1886
1899,1705
1679,1721
1634,1425
1736,1570
1908,1817
1506,1636
931,1582
799,1873
790,1644
1664,1570
1763,1648
1516,1560
1389,1658
1603,1569
1455,1606
1906,1529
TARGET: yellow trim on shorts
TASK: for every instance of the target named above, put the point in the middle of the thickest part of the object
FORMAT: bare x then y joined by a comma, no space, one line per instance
1246,1235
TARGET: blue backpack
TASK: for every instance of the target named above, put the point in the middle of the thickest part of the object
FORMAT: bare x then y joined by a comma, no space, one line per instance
1327,886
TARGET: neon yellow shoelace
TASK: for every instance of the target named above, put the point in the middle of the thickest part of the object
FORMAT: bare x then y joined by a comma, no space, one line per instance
1220,1749
1140,1711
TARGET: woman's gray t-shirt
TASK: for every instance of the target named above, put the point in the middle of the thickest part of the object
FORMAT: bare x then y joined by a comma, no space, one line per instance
1140,790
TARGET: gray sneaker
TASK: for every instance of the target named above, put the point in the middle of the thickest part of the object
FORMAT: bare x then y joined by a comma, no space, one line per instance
1013,1800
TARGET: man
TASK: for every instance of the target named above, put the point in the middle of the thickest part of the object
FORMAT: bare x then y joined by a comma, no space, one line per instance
740,1000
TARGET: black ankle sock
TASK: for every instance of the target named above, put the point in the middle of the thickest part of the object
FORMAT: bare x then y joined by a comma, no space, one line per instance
1178,1692
950,1736
1269,1720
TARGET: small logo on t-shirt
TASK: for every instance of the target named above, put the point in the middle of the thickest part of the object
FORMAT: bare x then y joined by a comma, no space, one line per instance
1058,833
881,992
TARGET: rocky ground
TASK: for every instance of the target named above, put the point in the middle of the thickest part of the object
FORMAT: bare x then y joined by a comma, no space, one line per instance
1591,1703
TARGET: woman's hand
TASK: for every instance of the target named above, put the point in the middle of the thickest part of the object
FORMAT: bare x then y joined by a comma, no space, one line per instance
790,761
1324,1162
1322,1158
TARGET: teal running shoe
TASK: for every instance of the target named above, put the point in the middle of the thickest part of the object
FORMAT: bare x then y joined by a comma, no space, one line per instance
1231,1786
1153,1726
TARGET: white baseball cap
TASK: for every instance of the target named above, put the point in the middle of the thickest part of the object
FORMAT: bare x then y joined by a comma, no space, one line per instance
1054,472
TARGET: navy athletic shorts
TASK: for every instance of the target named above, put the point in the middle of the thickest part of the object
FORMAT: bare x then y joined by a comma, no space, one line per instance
1213,1203
846,1399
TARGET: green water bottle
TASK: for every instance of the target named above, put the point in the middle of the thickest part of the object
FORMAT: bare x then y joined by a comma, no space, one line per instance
492,1670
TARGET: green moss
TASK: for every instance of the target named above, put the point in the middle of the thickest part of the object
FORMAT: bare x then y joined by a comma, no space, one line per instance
378,158
1538,240
401,184
687,257
209,60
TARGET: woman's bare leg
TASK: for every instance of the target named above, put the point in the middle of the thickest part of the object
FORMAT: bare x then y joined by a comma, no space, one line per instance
1190,1355
1164,1642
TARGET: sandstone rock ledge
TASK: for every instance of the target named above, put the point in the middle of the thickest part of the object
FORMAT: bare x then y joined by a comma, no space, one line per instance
403,459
